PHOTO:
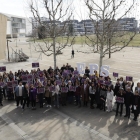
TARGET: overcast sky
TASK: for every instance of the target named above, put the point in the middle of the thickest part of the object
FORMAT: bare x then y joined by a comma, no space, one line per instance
19,8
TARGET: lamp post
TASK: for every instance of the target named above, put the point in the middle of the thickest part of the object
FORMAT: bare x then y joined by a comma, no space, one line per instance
8,49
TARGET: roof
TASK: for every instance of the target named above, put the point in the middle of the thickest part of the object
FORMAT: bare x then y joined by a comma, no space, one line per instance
8,18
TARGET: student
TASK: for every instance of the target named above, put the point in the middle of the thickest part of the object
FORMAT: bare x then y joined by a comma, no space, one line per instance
1,96
138,88
85,93
55,95
136,105
72,55
26,96
119,102
103,94
32,96
70,93
40,95
128,99
48,94
110,94
92,91
87,71
63,95
19,94
97,95
78,94
117,87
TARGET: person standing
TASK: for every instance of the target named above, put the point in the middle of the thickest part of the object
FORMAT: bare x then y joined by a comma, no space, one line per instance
1,96
32,96
72,56
85,93
128,99
136,104
92,91
103,94
120,101
48,94
56,95
26,96
110,94
78,94
63,95
19,94
40,95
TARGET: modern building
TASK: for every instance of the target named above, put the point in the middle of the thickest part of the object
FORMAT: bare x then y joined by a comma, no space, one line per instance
18,26
3,30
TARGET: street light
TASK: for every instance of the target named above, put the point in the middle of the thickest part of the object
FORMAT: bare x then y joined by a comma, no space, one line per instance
8,49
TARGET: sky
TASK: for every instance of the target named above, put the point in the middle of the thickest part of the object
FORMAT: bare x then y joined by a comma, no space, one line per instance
19,8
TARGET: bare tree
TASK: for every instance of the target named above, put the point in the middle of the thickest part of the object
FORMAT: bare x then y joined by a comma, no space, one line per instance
54,28
106,16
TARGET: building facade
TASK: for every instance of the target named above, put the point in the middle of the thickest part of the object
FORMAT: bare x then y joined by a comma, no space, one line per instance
3,30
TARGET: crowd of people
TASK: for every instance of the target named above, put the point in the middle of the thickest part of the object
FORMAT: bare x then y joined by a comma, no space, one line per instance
92,90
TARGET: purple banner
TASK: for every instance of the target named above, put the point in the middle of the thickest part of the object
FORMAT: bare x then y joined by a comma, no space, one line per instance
52,88
40,72
73,79
101,81
72,88
75,72
30,77
40,90
44,83
68,71
64,89
129,78
59,82
2,84
14,83
24,78
9,84
35,65
36,84
92,77
115,74
82,81
64,74
3,69
42,78
119,100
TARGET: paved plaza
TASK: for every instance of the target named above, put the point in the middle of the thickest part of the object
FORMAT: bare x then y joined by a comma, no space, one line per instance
70,122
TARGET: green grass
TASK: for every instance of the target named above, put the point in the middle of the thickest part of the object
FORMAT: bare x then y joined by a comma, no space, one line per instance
81,40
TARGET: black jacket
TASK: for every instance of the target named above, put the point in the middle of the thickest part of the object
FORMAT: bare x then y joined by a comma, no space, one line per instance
128,97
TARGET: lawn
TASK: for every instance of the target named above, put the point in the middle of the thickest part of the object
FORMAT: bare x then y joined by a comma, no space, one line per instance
82,39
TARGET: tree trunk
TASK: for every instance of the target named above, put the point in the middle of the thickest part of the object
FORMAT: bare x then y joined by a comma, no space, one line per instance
101,59
109,48
54,53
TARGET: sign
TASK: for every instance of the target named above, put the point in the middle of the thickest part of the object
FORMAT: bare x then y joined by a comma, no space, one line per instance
59,82
3,69
14,83
23,73
36,84
75,72
115,74
119,100
82,81
73,79
30,77
35,65
108,83
24,78
30,82
42,78
44,83
64,74
101,81
52,88
72,88
40,90
92,77
129,78
9,84
68,71
64,89
2,84
40,72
